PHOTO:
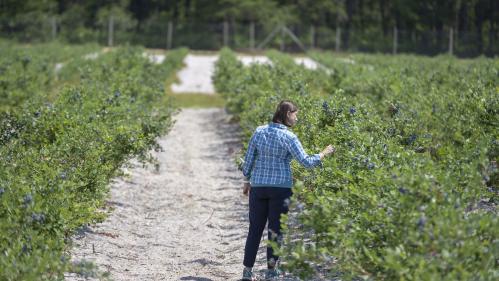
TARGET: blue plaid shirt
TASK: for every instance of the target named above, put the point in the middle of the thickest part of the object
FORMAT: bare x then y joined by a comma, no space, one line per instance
270,151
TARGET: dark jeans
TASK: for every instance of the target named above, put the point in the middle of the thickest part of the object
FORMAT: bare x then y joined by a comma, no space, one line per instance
265,203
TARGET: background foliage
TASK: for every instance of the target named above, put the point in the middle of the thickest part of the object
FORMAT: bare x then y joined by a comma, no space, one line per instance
367,25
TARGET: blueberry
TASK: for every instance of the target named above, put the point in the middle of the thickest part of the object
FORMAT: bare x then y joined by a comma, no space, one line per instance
353,110
117,94
325,106
2,191
403,190
40,218
412,138
371,166
300,206
63,175
37,114
421,222
492,166
28,199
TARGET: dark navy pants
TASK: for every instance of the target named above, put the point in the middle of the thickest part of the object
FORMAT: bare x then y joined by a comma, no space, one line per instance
265,204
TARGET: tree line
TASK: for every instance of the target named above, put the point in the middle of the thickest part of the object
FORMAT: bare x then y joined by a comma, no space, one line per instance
366,25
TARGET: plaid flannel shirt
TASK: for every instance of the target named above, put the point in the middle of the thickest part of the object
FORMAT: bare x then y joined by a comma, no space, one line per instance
270,151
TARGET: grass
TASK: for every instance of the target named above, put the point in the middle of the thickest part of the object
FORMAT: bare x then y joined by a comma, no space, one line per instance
193,100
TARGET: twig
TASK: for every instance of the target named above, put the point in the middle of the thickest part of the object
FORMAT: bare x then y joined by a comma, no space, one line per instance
107,234
212,211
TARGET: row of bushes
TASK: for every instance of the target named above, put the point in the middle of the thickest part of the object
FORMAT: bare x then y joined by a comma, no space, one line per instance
411,192
57,158
29,72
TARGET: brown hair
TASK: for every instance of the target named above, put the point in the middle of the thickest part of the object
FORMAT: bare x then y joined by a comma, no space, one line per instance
281,113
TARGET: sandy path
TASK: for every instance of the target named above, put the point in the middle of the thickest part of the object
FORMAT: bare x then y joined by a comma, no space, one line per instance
187,221
307,62
248,60
196,76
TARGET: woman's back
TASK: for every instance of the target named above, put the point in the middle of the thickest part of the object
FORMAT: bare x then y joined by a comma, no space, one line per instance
271,149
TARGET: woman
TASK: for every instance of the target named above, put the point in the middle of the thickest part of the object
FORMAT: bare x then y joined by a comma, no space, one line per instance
268,181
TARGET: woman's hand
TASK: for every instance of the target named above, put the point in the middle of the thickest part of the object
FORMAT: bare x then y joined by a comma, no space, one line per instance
246,188
327,151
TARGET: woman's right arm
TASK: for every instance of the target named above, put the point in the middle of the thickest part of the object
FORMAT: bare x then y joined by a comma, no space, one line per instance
308,161
249,158
297,151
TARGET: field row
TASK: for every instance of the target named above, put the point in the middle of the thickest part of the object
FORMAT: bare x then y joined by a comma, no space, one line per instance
411,193
64,139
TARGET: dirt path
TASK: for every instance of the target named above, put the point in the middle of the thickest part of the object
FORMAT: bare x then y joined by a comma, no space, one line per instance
187,221
196,76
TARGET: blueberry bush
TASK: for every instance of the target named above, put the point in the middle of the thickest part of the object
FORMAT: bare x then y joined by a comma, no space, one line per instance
58,157
412,191
29,72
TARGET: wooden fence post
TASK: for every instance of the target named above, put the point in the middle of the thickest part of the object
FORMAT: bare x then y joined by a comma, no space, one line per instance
226,33
252,36
338,39
451,41
395,40
110,31
169,36
282,40
54,27
312,37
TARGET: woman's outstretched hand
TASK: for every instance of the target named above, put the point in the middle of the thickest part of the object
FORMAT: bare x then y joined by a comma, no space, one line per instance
327,151
246,188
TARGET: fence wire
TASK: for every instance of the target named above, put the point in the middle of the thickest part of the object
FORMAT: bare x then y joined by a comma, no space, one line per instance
245,36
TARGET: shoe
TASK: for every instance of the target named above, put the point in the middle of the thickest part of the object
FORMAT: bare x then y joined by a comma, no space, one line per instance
273,274
247,275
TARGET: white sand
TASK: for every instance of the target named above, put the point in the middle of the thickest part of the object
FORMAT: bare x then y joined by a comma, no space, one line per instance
195,77
247,60
58,67
307,63
155,58
91,56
